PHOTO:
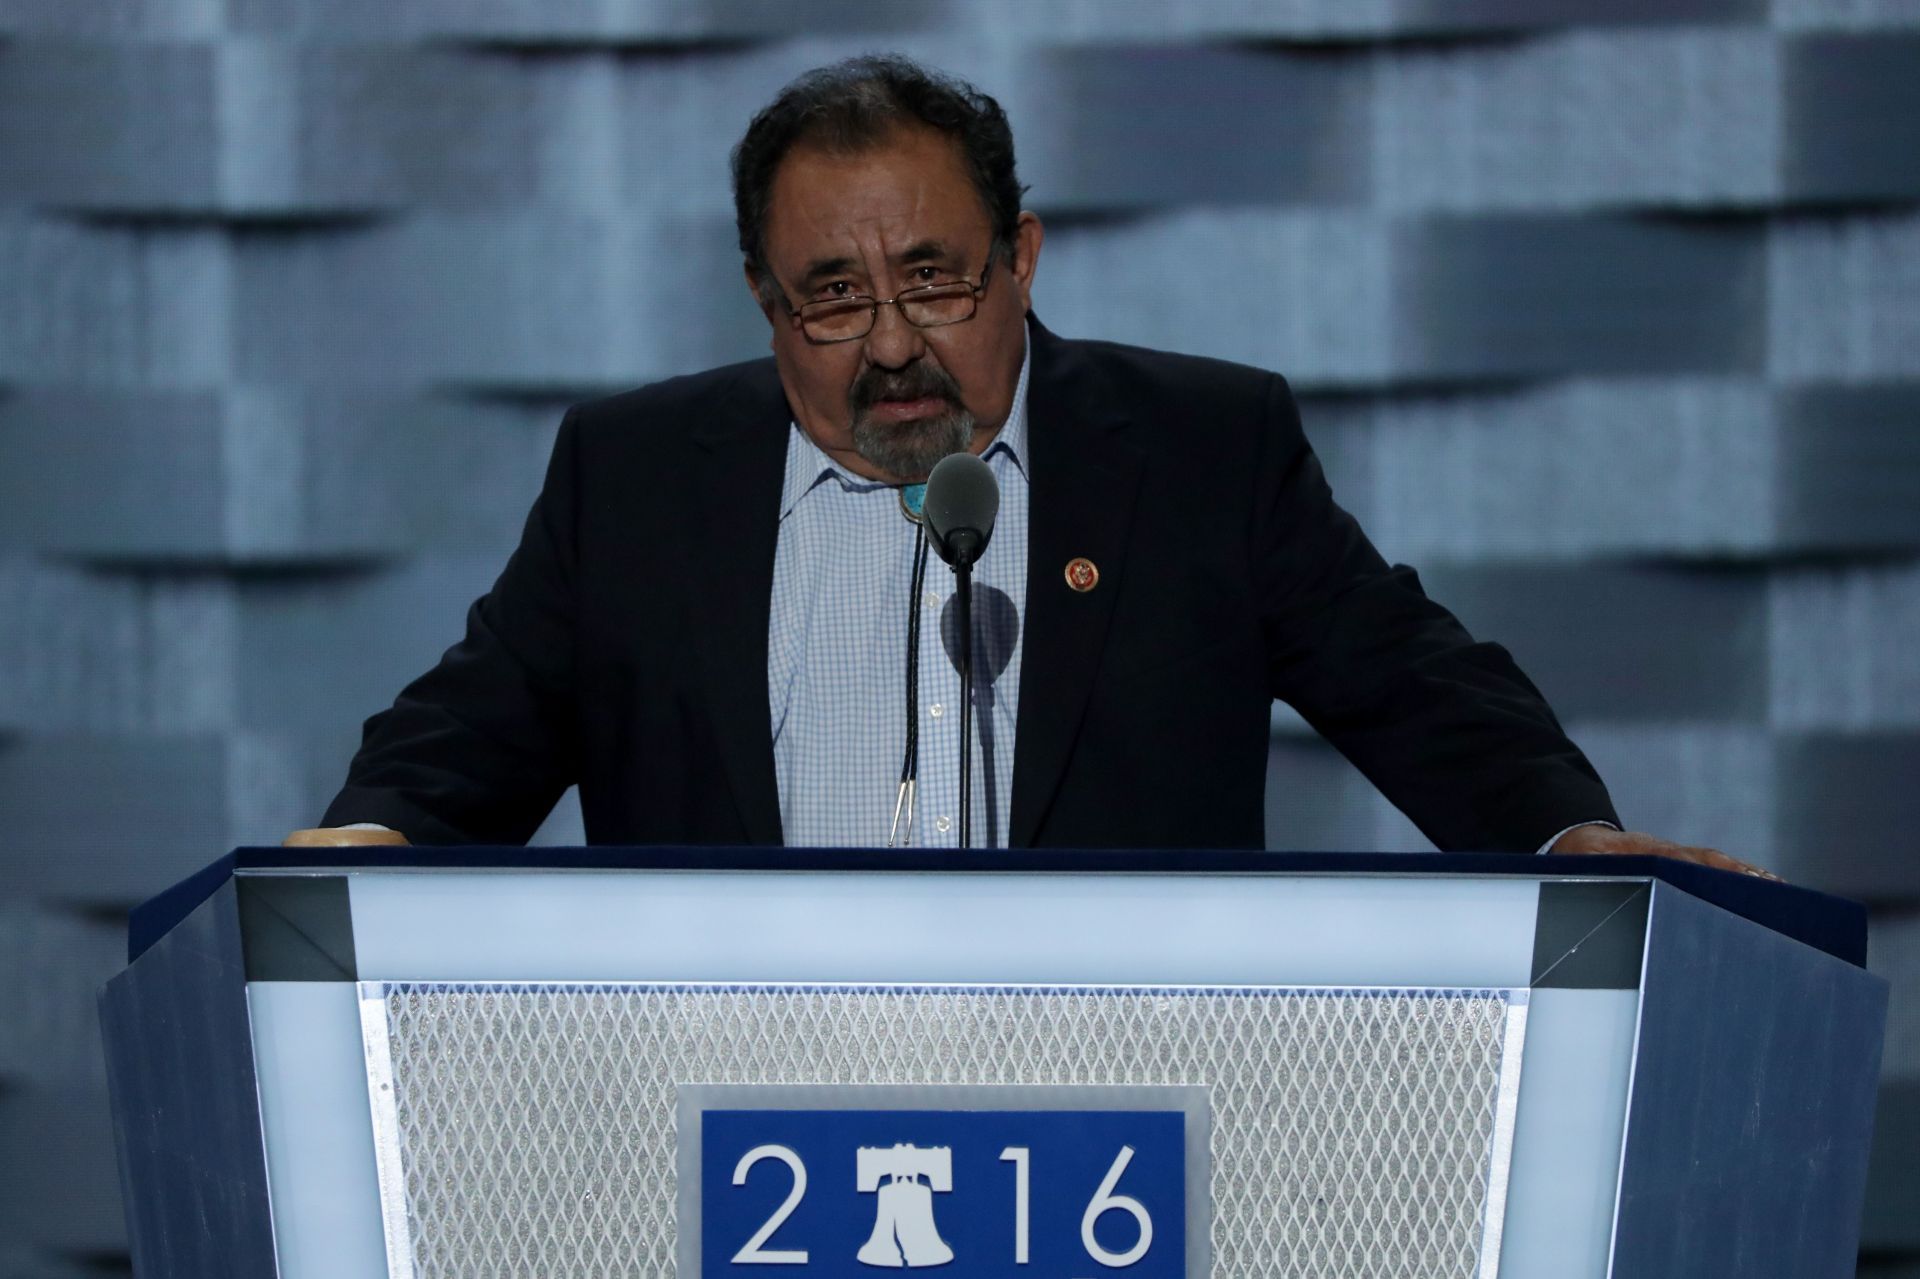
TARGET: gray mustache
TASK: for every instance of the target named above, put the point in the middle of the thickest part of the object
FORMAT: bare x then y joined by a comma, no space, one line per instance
871,390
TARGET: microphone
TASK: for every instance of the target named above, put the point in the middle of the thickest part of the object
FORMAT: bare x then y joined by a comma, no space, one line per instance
962,500
961,503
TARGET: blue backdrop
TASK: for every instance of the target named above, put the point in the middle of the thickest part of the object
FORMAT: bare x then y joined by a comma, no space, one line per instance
1605,313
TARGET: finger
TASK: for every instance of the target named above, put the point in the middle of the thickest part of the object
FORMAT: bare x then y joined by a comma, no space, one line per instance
1715,858
341,837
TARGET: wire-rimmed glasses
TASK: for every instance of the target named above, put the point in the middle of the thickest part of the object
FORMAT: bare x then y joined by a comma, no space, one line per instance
930,306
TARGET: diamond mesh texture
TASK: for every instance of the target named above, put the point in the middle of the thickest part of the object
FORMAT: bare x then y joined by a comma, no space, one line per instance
1351,1129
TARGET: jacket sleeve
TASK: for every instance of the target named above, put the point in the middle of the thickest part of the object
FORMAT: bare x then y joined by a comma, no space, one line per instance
479,748
1448,728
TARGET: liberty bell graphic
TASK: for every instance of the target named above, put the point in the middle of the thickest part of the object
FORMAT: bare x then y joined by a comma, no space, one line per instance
903,1229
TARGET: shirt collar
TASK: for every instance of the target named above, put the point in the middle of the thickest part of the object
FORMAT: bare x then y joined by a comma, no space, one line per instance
808,465
1012,439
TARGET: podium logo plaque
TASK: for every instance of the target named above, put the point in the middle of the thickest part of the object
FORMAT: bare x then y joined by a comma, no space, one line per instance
965,1180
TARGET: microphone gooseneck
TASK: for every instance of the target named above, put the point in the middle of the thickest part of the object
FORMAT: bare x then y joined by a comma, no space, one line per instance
963,601
962,501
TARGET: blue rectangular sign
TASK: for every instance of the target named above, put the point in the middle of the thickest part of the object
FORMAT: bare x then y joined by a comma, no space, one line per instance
969,1194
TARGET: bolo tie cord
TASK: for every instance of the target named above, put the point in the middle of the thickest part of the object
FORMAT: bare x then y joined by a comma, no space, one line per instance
910,764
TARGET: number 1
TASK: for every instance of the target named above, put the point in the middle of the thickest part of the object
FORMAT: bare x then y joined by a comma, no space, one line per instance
1017,1156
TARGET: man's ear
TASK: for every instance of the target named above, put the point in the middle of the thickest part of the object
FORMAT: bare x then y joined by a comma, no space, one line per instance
1027,238
759,298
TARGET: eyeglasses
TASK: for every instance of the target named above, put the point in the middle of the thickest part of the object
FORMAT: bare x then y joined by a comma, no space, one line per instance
930,306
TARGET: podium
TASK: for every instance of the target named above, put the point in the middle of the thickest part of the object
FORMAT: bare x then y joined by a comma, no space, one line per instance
777,1062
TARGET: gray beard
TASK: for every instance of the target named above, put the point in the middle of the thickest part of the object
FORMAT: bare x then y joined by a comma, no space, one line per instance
908,450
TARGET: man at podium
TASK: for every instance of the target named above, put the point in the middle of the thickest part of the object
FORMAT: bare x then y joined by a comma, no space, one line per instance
721,622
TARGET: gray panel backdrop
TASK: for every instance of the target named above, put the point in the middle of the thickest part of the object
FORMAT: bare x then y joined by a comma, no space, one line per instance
1606,313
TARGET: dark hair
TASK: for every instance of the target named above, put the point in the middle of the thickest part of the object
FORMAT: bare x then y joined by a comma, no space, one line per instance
855,104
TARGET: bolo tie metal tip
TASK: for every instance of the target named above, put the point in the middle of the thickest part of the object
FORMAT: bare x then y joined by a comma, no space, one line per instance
904,801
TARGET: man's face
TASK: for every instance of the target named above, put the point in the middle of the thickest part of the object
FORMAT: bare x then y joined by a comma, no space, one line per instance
896,216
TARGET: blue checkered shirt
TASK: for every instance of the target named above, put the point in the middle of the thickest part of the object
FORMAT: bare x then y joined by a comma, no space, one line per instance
837,649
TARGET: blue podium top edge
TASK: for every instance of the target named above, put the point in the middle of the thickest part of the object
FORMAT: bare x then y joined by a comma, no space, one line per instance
1827,923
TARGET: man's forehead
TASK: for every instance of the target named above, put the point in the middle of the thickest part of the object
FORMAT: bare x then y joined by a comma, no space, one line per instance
906,194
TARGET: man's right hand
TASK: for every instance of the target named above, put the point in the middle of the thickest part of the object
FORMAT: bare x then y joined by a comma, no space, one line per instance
342,837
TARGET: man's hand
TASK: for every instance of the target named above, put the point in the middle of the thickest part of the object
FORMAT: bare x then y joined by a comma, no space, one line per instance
342,837
1602,839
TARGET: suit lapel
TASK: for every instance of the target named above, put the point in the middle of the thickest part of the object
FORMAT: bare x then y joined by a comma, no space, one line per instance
741,459
1084,479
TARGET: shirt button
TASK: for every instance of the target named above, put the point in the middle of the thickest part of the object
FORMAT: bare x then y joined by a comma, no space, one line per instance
930,599
943,824
937,710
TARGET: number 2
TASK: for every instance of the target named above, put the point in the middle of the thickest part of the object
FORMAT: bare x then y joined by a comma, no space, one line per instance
751,1252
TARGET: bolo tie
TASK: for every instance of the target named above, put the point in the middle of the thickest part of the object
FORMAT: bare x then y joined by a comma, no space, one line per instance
912,498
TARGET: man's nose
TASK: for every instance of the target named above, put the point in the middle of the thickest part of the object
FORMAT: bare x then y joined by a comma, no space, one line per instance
893,343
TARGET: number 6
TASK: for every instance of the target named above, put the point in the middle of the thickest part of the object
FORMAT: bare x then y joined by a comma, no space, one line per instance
1104,1200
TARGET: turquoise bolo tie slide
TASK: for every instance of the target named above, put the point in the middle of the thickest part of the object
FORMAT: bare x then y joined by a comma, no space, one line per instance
912,498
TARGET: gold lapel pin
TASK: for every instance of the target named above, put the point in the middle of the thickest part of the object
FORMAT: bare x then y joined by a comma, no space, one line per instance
1082,575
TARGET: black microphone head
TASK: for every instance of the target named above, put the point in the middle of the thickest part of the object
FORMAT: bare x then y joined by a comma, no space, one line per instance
962,502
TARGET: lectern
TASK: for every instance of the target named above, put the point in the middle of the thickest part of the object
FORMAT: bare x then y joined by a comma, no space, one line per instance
778,1063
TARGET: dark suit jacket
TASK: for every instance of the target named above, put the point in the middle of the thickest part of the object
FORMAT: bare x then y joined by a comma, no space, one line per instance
624,646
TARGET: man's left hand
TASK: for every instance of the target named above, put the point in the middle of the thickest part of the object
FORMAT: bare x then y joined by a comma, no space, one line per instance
1602,839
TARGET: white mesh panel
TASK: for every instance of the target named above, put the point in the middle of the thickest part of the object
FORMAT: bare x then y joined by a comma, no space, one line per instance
1351,1130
